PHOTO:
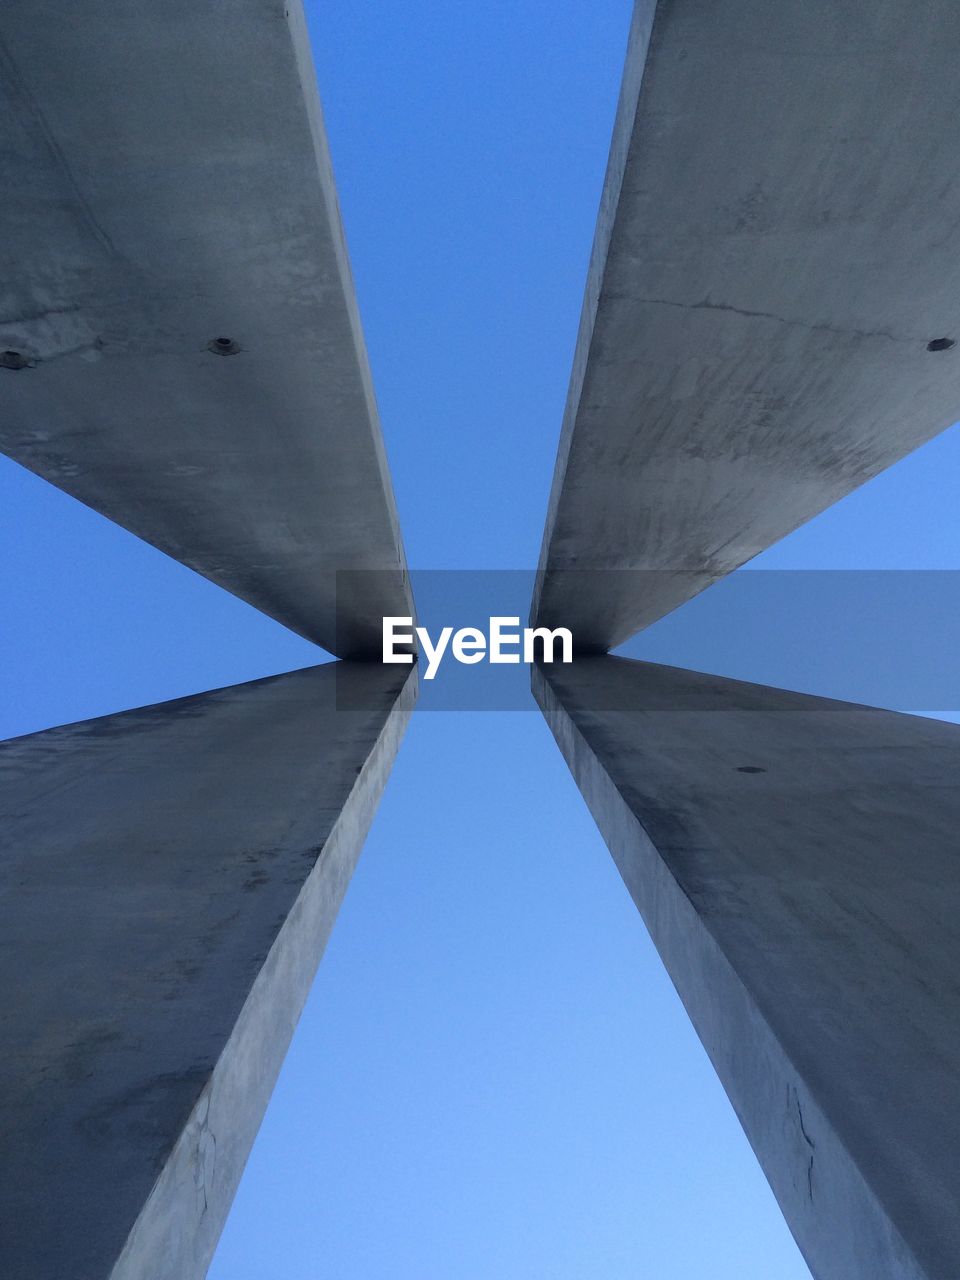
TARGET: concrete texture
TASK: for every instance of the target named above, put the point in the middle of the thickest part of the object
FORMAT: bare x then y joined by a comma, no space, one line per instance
167,183
171,876
777,244
796,861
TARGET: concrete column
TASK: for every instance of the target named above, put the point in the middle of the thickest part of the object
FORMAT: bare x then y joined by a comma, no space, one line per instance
170,878
180,343
769,318
797,862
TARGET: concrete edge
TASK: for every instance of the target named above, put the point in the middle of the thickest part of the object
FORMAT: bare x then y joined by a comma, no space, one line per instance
638,45
837,1221
200,1178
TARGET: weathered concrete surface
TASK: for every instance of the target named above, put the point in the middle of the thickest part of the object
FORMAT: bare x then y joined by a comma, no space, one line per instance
170,878
808,916
778,242
166,182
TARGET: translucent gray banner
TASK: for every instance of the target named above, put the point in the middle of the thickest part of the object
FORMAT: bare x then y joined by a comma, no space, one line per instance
888,638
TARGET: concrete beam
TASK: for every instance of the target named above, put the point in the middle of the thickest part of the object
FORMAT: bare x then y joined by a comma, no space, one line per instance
777,246
167,184
796,863
171,876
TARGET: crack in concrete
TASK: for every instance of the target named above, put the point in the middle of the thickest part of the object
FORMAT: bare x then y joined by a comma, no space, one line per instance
810,1143
707,305
204,1157
19,89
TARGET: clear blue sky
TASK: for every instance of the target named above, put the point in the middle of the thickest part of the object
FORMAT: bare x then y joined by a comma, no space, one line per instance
493,1079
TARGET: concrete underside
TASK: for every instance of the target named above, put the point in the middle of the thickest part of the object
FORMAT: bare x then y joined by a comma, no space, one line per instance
171,876
778,241
166,182
807,913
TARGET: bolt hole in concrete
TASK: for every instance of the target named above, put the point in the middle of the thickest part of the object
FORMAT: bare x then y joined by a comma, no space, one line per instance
941,344
223,346
13,360
750,768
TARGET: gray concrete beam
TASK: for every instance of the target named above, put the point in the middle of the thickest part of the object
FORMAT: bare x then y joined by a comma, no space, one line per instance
170,878
796,862
778,243
166,184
